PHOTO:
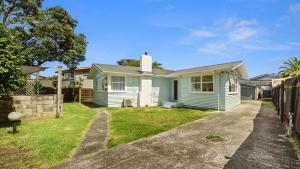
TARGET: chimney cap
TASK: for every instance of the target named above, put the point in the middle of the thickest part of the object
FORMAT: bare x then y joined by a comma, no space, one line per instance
145,53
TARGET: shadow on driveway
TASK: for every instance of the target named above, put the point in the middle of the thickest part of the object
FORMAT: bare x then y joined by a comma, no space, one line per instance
266,146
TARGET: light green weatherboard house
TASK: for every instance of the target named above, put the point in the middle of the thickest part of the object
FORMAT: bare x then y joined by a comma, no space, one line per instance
214,86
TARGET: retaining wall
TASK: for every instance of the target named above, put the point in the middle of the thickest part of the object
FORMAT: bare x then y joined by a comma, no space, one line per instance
32,107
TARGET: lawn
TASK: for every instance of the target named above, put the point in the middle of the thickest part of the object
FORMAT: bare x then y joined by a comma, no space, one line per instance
44,143
128,124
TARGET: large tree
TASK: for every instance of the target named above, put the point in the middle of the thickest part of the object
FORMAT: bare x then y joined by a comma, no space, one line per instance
11,59
46,35
136,63
291,68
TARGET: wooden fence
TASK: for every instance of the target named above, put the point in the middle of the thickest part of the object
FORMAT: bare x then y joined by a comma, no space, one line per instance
286,98
74,95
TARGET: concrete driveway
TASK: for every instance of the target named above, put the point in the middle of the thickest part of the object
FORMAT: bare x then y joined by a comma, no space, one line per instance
181,147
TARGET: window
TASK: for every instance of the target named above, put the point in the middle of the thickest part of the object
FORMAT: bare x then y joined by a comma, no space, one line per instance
196,83
207,83
202,83
232,84
118,83
101,84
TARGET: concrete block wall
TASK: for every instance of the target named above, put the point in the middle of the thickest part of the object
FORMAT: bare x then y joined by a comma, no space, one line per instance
32,107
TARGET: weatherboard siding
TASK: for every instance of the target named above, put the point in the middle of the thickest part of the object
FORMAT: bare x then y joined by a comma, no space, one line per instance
231,99
100,98
115,99
161,90
201,100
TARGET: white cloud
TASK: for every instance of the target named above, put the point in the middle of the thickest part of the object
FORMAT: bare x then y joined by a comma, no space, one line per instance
242,34
203,34
234,22
295,8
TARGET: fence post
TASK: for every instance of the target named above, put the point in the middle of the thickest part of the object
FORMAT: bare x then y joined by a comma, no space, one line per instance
289,132
58,101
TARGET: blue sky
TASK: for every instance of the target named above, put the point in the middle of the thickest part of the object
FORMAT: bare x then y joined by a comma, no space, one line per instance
188,33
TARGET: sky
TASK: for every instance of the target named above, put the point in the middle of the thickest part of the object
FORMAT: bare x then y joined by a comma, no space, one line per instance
188,33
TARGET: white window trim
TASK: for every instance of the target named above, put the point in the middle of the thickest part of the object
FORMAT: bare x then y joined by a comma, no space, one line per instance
110,84
201,91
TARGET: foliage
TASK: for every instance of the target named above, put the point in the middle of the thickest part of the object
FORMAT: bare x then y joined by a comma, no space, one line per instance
46,35
291,68
11,59
45,143
136,63
214,138
129,124
38,88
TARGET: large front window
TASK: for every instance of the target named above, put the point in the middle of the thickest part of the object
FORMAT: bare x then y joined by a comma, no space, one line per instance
118,83
202,83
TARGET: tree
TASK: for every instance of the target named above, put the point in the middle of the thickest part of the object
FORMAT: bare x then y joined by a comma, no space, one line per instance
291,68
46,35
11,60
136,63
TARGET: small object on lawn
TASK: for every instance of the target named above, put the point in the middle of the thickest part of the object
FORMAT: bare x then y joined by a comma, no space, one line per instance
14,117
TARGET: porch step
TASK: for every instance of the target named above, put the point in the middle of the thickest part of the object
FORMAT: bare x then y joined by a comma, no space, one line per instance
171,104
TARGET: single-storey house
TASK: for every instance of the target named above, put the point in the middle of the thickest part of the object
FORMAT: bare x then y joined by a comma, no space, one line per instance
257,87
214,86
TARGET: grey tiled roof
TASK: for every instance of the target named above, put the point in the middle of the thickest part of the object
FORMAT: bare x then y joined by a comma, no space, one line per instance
129,69
162,72
229,65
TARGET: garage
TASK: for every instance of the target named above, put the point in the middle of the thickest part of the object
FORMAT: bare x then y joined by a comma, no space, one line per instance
248,92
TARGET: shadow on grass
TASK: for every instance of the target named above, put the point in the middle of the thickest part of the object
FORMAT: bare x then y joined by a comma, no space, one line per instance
266,146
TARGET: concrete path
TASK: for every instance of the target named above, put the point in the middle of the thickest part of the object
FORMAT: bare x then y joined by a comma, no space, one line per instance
266,147
96,137
186,146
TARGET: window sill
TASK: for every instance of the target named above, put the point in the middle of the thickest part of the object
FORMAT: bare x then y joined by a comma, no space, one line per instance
100,91
233,93
112,91
193,92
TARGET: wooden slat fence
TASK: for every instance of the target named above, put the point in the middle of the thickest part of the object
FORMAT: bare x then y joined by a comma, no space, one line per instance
286,98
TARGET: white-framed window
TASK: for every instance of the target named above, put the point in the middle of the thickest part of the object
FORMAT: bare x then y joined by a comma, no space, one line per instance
232,84
118,83
207,83
196,83
101,84
202,83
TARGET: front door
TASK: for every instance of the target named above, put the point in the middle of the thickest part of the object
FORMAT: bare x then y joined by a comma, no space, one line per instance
175,90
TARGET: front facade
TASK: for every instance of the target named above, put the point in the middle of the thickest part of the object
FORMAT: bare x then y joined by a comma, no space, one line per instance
214,87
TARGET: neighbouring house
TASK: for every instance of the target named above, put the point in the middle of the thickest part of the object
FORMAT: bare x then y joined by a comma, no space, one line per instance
214,86
257,87
80,75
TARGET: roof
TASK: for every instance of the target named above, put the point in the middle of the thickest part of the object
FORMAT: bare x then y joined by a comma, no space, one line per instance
129,69
78,69
26,70
266,75
224,66
106,68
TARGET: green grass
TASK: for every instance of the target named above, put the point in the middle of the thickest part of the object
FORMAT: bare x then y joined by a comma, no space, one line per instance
44,143
128,124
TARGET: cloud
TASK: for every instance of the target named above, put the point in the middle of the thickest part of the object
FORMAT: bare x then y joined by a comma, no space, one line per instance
242,34
295,8
234,22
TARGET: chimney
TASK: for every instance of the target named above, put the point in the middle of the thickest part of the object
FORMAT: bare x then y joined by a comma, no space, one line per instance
146,63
